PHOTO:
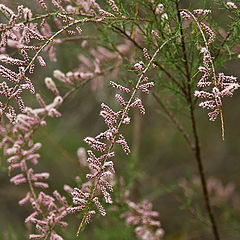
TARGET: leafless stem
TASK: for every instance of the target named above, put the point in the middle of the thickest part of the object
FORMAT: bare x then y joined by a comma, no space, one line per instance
174,120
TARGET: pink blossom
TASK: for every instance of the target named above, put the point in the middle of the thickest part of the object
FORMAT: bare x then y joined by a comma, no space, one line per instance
41,61
51,85
95,144
99,206
121,140
120,99
121,88
142,217
42,4
114,7
232,5
138,103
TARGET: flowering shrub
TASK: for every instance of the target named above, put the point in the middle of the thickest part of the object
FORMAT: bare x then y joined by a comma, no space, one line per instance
125,46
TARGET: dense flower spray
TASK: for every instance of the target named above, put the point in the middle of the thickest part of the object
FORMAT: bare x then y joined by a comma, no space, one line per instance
220,85
49,211
22,154
23,33
101,166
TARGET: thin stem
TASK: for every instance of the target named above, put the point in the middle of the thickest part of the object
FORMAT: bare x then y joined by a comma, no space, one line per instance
194,127
31,187
76,38
82,221
202,175
231,30
155,62
222,123
191,209
174,120
52,14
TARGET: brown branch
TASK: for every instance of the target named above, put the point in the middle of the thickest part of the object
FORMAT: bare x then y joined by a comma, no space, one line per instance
195,133
223,43
53,14
175,121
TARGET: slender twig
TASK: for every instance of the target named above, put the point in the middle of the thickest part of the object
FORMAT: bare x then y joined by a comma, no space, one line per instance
155,62
226,39
76,38
31,186
223,43
53,14
191,209
174,120
72,90
194,129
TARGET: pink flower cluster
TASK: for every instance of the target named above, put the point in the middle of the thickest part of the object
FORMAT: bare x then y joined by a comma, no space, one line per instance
21,152
22,32
142,217
99,180
222,86
232,5
101,167
51,211
93,66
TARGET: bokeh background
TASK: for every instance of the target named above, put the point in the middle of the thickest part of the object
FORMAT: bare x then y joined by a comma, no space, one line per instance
161,167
